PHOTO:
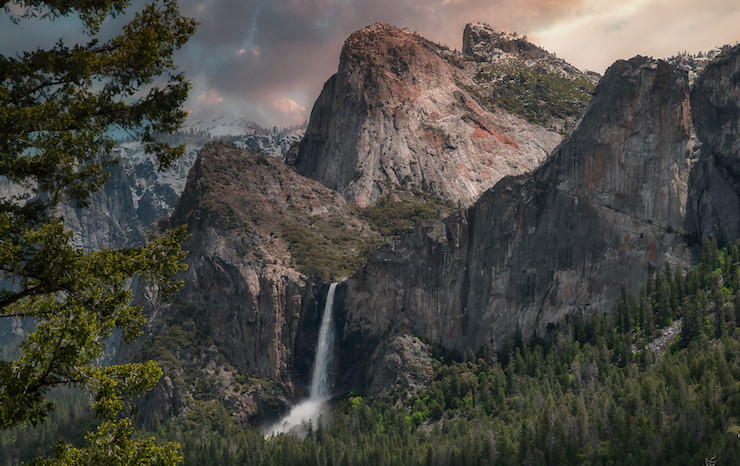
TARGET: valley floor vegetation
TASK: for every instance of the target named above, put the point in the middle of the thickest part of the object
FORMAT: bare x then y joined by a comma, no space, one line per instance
593,392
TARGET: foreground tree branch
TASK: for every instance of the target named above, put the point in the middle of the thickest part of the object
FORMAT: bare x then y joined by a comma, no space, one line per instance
57,109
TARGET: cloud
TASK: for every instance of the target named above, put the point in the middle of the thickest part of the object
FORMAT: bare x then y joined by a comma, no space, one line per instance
247,52
210,97
602,32
250,51
288,106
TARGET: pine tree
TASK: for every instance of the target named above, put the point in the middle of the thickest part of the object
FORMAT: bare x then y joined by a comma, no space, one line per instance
58,108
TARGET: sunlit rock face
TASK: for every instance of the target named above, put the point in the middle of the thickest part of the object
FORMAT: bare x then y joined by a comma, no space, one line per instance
613,203
403,110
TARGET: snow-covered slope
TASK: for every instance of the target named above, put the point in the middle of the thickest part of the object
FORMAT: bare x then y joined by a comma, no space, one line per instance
224,125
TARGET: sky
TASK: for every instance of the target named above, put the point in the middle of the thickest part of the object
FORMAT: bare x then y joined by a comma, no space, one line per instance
268,59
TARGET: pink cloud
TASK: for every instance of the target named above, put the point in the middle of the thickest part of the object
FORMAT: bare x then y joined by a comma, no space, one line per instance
210,97
605,31
286,105
249,52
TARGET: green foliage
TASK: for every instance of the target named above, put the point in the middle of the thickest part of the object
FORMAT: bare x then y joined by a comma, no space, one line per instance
402,208
537,95
71,420
591,394
112,443
438,133
325,249
57,110
77,298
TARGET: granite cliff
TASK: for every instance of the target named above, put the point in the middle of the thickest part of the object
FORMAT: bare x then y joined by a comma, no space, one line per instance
403,110
715,179
242,330
650,167
135,195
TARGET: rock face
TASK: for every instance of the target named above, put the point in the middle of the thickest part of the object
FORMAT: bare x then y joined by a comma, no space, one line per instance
404,110
276,144
403,362
604,210
135,195
715,180
247,320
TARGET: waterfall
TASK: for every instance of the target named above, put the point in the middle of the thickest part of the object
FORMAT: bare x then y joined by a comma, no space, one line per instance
310,409
324,351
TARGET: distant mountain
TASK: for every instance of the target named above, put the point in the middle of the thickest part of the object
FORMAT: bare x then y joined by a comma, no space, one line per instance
137,194
224,125
248,135
274,143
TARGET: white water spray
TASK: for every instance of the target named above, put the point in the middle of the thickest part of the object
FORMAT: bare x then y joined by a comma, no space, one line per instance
324,351
310,409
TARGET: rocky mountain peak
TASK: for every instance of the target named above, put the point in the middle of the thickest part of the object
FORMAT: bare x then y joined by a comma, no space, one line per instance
483,42
402,110
396,53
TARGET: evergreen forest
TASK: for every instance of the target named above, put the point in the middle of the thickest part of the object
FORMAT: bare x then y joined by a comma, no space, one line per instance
655,381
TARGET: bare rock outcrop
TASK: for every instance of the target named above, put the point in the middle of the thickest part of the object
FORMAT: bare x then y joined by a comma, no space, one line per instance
483,43
401,109
715,182
403,362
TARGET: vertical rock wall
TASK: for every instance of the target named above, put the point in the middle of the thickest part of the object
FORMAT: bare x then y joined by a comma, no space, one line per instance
604,210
